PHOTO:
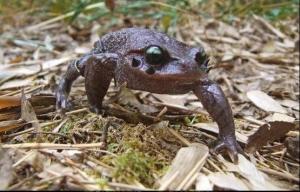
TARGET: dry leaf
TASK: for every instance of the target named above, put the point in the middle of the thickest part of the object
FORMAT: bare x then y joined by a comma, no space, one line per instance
10,125
173,100
213,127
292,145
188,161
110,4
256,180
268,133
203,183
282,117
290,103
265,102
126,97
6,169
9,101
28,114
227,181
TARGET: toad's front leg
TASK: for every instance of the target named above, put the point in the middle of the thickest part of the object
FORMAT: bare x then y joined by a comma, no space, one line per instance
98,74
98,70
215,102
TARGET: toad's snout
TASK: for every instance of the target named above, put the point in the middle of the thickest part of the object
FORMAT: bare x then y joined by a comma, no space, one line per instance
199,59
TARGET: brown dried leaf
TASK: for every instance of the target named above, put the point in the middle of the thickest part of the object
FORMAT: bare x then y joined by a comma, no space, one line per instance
292,145
28,114
10,125
268,133
9,101
110,4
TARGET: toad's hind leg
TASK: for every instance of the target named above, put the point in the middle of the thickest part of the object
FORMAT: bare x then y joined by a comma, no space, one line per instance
98,74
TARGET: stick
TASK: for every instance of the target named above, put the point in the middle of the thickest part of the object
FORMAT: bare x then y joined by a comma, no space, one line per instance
51,146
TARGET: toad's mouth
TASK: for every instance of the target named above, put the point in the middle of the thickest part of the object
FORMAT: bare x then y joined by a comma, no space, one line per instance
184,77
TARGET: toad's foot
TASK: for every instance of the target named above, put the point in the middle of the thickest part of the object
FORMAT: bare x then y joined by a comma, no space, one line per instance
228,145
62,102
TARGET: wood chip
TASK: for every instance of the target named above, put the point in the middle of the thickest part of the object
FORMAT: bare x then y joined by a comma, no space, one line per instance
265,102
186,164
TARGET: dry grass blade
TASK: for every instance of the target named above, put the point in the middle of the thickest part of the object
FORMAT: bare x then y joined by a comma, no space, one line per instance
51,146
269,27
59,18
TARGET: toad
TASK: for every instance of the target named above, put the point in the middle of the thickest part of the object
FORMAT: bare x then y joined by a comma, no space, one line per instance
151,61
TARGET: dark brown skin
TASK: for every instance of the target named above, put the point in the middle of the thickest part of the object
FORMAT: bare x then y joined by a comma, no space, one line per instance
151,61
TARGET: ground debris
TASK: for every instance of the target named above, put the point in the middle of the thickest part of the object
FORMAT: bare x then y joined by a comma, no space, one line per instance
255,62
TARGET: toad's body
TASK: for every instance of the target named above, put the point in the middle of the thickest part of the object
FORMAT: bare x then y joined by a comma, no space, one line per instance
151,61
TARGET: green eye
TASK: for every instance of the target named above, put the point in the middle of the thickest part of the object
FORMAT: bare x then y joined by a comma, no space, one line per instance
154,55
154,50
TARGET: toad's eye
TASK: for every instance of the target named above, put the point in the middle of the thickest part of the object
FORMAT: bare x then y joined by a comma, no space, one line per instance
154,55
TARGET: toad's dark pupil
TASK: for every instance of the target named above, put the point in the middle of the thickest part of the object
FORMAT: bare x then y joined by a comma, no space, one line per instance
154,55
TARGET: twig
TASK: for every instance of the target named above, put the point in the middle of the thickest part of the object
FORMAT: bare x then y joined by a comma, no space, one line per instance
120,185
252,120
18,185
198,165
22,159
126,186
280,174
18,133
30,129
182,139
51,146
270,27
165,185
215,166
102,151
77,111
161,113
62,17
190,182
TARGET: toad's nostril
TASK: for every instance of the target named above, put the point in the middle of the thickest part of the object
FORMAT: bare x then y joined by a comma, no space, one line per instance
150,71
200,57
135,62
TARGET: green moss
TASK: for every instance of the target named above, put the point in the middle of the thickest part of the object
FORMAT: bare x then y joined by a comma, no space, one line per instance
66,127
102,182
133,165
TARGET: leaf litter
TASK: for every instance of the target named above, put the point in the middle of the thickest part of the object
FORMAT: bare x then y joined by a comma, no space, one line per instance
150,137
